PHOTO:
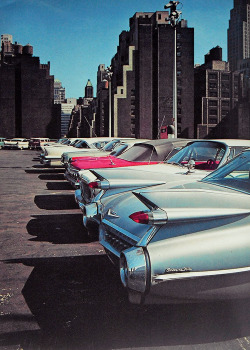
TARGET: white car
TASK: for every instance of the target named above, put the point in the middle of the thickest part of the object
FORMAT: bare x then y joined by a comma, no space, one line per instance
16,143
104,151
52,154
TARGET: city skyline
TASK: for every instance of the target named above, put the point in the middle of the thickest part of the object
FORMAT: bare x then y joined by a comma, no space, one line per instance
78,36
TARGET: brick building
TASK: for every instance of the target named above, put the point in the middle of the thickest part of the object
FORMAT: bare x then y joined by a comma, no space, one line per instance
217,92
142,81
26,94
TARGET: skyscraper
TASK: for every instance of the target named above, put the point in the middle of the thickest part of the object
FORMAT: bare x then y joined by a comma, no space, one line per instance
142,81
217,92
239,33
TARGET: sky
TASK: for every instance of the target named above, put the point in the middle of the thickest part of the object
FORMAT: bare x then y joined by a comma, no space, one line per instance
76,36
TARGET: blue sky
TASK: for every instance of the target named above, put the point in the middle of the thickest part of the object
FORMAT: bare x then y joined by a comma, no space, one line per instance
78,35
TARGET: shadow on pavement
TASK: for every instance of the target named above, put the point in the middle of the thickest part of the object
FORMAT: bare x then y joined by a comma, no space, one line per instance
59,186
58,229
79,303
51,177
56,202
44,171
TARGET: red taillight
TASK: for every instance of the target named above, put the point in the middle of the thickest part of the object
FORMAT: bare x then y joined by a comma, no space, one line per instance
140,217
94,184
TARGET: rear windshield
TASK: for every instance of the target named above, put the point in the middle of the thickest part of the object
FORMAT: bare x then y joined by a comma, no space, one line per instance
139,153
206,155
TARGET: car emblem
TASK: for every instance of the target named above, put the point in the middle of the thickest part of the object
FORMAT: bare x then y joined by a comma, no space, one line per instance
112,213
174,270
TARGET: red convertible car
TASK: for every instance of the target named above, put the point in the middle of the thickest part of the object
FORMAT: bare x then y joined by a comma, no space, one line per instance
150,152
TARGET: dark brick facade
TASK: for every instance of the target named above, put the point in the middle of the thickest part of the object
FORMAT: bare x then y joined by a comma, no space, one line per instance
217,93
26,97
142,83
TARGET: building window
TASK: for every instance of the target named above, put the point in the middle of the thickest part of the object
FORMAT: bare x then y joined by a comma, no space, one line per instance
213,94
225,86
225,94
225,103
213,103
213,85
213,112
212,76
212,120
224,112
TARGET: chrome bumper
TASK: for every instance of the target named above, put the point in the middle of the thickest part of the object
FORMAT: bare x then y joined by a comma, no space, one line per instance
72,181
44,161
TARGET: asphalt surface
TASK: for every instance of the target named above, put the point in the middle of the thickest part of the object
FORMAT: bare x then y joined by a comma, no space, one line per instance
58,290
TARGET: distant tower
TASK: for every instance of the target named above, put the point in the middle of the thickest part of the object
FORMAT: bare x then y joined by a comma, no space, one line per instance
239,33
88,90
59,92
6,38
6,45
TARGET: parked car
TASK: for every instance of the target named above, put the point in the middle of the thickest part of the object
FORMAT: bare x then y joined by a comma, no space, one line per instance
2,142
194,161
37,142
52,154
58,142
104,160
67,157
16,143
186,243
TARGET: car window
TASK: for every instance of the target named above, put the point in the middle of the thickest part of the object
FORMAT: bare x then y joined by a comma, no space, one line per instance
234,151
82,144
119,150
139,153
235,174
110,145
206,155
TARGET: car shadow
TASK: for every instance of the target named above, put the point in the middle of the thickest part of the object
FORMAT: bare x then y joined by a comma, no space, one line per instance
44,171
51,177
58,229
59,186
79,303
56,202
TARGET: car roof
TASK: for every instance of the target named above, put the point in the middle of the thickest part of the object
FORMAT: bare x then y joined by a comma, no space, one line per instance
232,142
164,146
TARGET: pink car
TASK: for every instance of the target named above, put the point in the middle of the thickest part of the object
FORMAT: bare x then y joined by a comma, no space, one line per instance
151,152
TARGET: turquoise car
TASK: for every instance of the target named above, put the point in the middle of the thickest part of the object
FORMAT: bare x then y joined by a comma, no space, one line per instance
2,142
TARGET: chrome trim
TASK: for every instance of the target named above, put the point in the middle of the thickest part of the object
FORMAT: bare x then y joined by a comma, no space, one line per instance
91,210
71,180
197,274
149,235
133,270
121,231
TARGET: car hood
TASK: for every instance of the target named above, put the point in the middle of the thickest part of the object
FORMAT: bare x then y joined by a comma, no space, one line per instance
82,153
58,151
154,171
105,162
